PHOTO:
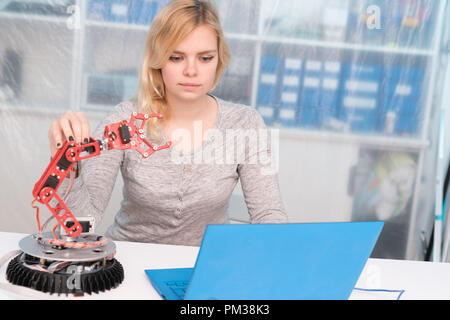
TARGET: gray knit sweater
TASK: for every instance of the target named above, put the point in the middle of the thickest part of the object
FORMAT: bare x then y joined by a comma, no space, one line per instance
170,198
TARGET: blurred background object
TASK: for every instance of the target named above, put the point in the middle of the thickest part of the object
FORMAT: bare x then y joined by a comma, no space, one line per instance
355,88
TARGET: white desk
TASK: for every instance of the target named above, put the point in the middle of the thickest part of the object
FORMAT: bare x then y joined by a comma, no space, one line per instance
419,280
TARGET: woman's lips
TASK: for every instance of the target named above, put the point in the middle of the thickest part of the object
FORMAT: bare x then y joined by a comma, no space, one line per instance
190,86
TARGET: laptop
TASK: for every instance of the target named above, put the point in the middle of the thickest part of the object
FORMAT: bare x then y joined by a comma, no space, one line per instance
295,261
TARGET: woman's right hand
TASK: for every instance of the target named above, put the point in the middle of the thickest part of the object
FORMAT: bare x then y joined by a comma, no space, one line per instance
72,126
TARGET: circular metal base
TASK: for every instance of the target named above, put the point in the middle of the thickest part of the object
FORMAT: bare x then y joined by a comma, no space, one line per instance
31,246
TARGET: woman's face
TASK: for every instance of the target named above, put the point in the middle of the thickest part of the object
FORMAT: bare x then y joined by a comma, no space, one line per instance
190,72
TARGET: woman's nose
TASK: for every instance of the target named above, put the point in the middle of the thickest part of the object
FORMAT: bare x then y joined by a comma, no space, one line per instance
190,69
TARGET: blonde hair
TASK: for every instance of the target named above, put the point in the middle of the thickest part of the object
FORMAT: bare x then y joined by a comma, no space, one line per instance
170,26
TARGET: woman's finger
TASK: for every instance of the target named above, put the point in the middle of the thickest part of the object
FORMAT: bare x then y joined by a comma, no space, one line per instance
85,128
55,137
66,128
75,124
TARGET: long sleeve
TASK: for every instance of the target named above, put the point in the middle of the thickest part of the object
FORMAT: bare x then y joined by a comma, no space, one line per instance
92,190
258,175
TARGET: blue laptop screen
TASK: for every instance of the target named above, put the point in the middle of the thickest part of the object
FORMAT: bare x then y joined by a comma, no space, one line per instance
282,261
319,261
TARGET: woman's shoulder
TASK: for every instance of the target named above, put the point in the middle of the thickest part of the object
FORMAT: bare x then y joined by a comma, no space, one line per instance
239,115
126,106
122,111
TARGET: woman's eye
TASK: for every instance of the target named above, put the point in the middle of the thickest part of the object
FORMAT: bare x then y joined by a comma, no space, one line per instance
175,58
206,59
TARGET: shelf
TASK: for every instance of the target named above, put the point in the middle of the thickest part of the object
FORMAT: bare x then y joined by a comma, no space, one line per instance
294,41
366,140
116,25
330,44
281,40
45,111
29,18
231,36
25,109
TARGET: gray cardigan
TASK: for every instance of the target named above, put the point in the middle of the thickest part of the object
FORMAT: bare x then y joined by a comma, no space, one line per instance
170,198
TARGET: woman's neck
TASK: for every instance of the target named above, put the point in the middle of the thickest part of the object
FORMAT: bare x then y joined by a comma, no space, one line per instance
188,116
187,111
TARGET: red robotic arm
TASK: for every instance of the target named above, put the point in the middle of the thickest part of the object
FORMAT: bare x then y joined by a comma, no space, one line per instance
122,135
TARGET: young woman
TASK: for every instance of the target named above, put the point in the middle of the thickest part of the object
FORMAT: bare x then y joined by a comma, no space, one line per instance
174,194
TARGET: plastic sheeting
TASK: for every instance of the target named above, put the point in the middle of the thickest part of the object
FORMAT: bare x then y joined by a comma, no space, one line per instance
352,85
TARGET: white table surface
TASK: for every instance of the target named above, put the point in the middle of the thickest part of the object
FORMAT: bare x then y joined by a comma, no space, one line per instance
419,280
